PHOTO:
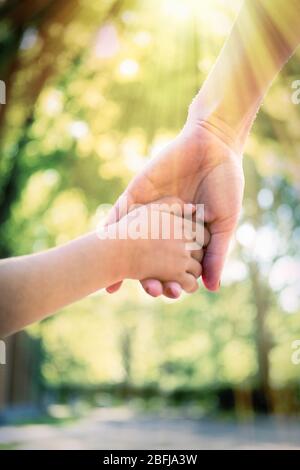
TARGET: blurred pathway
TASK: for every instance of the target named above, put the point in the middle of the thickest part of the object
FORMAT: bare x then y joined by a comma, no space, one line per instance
120,428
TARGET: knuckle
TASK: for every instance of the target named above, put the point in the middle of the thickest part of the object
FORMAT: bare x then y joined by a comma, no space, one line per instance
193,286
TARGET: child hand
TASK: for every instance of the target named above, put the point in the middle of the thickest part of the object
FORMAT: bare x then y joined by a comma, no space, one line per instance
156,243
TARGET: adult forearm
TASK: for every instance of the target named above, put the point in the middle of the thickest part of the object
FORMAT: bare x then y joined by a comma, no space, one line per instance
32,287
264,36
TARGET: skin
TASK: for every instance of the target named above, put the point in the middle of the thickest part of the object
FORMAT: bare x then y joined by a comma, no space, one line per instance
35,286
203,164
178,170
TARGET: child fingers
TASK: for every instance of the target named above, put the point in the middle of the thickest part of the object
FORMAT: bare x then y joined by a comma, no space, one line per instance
189,283
172,289
196,232
194,268
197,255
173,205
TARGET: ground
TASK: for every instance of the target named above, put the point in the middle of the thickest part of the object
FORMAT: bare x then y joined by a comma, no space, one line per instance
121,428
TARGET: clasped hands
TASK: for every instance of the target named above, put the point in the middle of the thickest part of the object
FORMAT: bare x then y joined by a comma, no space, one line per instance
197,167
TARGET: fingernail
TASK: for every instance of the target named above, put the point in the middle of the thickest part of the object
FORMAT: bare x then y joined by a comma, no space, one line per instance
175,292
169,292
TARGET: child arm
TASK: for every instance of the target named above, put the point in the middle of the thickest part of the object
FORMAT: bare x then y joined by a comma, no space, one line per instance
32,287
35,286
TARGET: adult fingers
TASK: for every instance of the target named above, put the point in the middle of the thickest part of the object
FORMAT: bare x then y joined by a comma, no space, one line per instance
114,288
153,287
172,289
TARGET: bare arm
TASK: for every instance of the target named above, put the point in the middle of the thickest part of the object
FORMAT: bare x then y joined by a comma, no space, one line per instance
34,286
203,164
264,36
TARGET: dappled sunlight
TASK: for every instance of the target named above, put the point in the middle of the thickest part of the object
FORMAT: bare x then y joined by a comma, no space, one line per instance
109,90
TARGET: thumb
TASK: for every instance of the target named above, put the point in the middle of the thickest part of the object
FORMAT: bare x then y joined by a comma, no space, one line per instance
214,259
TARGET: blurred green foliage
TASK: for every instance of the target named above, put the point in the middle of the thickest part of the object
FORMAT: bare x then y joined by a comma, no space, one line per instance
93,88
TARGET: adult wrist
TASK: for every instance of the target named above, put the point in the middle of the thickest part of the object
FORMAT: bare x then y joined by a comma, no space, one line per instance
227,126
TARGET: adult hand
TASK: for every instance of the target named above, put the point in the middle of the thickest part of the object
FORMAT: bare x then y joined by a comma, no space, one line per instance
199,166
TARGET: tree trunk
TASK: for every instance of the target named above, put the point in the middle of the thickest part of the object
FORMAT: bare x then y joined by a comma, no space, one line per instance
262,302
